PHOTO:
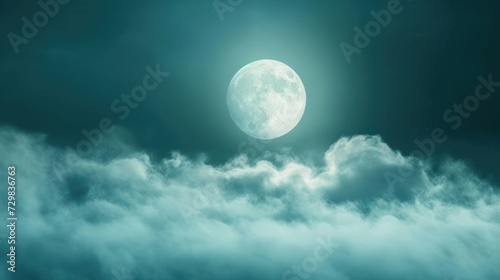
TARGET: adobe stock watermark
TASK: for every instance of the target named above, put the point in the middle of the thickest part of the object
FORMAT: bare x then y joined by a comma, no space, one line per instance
40,19
223,6
200,200
122,107
310,265
252,147
455,118
206,196
362,38
122,274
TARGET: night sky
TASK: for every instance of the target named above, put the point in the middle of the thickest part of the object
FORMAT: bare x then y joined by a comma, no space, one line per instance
392,172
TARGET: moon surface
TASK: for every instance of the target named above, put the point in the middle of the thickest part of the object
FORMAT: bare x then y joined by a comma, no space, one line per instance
266,99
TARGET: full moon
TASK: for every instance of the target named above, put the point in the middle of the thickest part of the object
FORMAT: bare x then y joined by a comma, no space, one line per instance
266,99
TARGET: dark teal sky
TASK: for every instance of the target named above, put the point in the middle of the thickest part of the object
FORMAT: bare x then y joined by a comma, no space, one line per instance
424,61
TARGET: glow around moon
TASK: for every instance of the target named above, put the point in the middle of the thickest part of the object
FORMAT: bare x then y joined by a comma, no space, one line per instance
266,99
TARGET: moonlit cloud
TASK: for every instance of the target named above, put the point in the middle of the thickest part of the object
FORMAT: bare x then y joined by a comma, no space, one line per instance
182,218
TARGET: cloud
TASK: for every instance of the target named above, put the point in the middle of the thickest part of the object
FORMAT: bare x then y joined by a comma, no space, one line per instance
273,218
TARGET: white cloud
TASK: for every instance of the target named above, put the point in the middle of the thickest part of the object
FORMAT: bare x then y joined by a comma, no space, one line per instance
185,219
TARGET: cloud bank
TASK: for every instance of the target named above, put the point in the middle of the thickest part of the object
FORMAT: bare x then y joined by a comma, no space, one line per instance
119,215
